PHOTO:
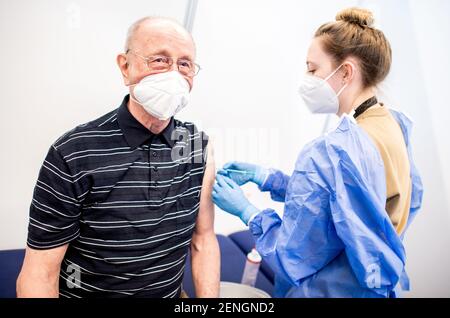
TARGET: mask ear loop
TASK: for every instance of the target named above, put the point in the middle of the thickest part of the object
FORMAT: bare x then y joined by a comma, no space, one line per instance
342,89
132,93
334,72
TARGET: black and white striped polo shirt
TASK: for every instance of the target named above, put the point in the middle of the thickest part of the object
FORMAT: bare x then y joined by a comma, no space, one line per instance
126,200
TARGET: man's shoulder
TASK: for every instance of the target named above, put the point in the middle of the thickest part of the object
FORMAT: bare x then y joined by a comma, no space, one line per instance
187,126
192,130
105,125
187,134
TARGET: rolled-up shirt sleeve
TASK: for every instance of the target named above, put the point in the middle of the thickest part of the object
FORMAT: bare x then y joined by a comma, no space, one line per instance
55,210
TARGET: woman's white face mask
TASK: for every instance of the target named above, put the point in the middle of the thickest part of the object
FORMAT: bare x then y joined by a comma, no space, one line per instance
162,95
318,95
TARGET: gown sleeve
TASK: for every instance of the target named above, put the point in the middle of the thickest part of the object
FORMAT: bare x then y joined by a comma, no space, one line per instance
276,183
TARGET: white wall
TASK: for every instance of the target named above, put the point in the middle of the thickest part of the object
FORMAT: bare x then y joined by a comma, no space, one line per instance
429,239
59,70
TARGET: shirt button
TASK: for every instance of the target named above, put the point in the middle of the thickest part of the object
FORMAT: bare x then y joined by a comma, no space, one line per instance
155,169
154,154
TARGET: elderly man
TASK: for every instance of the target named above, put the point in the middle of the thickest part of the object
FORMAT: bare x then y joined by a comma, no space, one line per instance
120,200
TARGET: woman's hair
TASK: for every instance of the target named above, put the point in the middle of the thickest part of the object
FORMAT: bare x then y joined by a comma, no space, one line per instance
353,35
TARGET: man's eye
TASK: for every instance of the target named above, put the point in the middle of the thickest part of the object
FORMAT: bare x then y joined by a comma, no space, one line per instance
159,59
185,64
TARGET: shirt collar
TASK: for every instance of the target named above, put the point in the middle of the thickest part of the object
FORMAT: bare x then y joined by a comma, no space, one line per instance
365,106
135,133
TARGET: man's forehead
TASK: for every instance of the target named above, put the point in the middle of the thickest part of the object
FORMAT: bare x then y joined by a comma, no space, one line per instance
158,25
155,36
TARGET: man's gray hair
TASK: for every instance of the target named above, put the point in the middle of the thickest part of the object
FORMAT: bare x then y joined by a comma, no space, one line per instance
136,25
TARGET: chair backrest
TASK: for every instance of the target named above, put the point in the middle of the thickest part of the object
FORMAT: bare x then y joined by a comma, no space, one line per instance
10,265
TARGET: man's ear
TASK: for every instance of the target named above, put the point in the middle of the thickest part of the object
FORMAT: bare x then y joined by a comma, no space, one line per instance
122,62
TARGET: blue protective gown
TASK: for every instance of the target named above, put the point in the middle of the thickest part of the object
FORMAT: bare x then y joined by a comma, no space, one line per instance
335,238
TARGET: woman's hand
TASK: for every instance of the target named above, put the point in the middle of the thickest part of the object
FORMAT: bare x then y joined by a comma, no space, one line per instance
242,172
228,196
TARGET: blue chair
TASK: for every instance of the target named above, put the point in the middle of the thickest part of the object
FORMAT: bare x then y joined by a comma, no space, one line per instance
10,265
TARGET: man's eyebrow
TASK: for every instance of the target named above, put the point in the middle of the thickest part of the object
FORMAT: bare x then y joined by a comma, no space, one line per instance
186,57
159,52
164,52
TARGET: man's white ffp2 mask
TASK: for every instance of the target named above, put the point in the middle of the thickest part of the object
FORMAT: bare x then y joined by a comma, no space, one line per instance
318,95
163,94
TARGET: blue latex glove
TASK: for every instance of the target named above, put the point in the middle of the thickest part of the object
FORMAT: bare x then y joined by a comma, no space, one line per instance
228,196
242,172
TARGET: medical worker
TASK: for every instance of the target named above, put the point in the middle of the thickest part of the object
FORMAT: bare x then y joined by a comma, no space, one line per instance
353,191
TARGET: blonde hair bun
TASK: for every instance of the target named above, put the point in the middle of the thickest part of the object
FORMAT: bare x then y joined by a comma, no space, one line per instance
361,17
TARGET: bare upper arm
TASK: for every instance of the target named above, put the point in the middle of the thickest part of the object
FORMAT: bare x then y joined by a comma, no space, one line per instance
205,219
48,261
40,272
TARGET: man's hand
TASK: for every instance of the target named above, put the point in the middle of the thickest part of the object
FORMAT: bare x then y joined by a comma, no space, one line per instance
39,276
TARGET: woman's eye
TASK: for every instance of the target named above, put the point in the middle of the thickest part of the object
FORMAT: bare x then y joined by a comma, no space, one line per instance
311,71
